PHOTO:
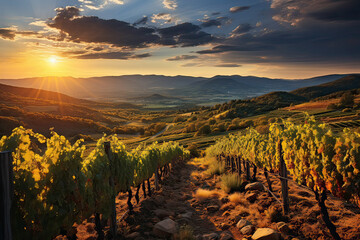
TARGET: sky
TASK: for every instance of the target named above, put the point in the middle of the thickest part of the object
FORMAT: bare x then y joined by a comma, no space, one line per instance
270,38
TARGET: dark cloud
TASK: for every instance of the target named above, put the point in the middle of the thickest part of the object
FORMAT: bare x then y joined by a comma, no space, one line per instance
295,12
228,65
182,57
98,49
211,23
96,30
10,34
141,21
242,28
311,44
184,35
239,9
7,33
113,55
92,29
218,22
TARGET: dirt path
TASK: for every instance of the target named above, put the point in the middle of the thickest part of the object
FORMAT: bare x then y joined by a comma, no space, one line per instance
218,213
161,132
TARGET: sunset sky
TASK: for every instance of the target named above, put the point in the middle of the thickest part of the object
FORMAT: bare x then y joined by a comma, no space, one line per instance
272,38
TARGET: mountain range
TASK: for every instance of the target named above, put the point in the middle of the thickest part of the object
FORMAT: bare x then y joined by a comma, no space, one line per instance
130,86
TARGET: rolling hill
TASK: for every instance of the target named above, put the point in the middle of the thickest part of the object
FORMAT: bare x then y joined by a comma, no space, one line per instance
345,83
130,86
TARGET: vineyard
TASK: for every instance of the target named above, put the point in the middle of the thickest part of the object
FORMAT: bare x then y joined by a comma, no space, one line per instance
55,185
314,156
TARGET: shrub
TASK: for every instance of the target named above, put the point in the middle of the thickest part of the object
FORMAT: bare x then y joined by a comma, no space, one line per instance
246,124
179,119
347,100
332,106
212,121
204,130
231,183
262,129
194,152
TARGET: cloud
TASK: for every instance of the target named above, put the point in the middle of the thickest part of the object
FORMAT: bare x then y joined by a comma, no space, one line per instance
96,30
141,21
191,65
231,65
91,29
10,33
7,33
99,4
170,4
112,55
166,17
182,57
218,22
309,43
184,35
294,12
239,9
242,28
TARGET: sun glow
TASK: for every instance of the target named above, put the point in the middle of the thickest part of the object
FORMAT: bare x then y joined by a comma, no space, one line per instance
53,60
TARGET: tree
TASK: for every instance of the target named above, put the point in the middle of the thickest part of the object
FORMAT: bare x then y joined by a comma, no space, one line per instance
347,100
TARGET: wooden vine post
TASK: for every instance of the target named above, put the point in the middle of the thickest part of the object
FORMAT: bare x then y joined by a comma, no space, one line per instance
247,170
6,190
268,180
321,197
284,180
156,180
232,165
111,181
239,165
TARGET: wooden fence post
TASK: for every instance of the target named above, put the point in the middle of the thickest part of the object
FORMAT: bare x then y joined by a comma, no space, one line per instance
268,180
239,165
111,181
247,170
284,181
156,180
6,190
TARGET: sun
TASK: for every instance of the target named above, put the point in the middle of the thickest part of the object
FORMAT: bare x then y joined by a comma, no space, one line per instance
53,60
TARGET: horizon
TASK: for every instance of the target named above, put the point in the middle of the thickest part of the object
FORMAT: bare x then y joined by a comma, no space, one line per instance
191,76
273,39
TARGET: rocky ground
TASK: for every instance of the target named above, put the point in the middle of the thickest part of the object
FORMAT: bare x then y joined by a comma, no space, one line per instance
191,203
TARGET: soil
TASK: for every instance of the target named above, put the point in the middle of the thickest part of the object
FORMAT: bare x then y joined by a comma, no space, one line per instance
216,214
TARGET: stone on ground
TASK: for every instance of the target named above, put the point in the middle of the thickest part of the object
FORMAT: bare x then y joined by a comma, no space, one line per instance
242,223
254,186
165,228
265,234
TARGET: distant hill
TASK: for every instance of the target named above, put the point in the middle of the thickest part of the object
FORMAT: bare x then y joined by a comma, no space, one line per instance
8,92
276,98
129,86
345,83
157,98
219,85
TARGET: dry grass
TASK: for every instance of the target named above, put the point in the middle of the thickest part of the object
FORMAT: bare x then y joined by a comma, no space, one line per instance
185,233
274,214
215,167
237,198
231,182
203,194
